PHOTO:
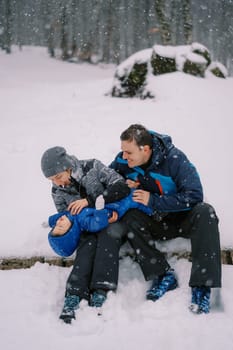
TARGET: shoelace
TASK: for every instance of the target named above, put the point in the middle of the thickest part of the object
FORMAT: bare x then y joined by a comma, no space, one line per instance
97,299
159,288
197,293
71,303
205,302
200,299
165,283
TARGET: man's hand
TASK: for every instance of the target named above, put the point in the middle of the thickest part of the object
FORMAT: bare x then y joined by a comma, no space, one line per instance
76,206
141,196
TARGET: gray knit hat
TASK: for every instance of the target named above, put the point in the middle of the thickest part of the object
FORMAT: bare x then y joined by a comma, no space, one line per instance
55,160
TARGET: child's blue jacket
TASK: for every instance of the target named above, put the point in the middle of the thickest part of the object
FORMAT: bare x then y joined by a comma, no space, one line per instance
89,220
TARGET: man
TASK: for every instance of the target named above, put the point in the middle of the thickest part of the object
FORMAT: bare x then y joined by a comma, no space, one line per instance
167,182
76,184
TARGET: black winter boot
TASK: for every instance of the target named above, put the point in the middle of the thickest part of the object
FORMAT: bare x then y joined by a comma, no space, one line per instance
71,304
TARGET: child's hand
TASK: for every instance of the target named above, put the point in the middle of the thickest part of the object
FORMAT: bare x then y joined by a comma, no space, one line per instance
132,184
113,218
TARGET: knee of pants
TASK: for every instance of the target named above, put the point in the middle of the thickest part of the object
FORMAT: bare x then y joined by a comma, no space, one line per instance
205,210
117,230
130,214
135,219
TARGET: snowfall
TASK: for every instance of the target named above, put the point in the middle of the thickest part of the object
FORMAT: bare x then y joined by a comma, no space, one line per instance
46,102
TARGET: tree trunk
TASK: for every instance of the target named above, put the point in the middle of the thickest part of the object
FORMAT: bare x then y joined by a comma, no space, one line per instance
165,29
107,32
187,21
8,28
64,35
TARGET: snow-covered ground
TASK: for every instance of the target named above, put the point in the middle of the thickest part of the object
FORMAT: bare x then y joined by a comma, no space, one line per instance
44,103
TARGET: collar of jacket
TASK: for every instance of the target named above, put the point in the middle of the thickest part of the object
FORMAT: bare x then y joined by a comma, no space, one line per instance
77,171
162,144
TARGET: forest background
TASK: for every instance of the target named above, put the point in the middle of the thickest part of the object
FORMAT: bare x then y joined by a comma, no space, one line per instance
111,30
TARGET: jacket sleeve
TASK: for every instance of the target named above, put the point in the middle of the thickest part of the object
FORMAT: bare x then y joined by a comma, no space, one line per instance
93,220
53,218
63,198
122,206
188,186
103,180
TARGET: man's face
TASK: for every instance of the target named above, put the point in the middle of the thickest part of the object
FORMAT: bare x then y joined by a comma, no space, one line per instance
134,154
61,179
63,224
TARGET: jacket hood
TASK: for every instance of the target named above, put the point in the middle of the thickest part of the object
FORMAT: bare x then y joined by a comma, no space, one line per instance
77,171
66,244
162,144
53,218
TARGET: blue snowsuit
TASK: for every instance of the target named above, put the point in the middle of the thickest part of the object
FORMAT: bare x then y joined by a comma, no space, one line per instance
89,220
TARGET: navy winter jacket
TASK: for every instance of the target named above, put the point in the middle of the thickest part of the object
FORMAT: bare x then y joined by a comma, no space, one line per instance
90,220
171,179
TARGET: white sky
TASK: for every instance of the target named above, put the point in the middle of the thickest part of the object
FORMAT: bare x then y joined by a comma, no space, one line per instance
44,103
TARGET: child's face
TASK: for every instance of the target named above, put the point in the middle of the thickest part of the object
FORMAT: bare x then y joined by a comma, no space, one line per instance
61,179
63,224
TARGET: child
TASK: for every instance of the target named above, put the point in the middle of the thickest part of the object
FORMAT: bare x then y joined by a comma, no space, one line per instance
66,228
66,233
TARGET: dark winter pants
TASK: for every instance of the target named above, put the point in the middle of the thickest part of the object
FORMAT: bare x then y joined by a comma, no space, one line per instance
199,224
96,263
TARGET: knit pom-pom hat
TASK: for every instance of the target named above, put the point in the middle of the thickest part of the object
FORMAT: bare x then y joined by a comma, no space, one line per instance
55,160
